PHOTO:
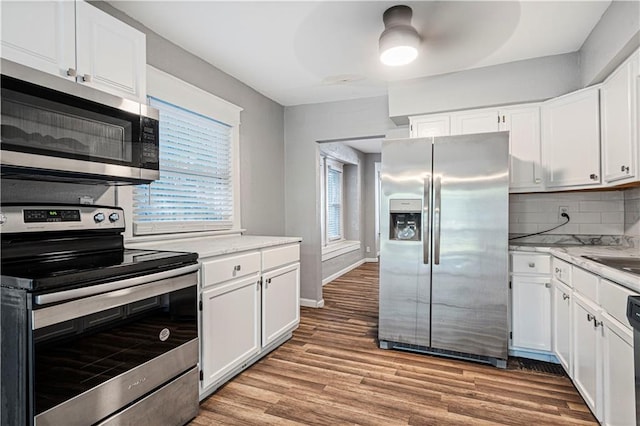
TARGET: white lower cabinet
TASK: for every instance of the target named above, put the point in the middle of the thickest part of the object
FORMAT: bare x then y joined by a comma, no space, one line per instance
619,385
250,304
587,352
531,321
230,327
280,302
562,347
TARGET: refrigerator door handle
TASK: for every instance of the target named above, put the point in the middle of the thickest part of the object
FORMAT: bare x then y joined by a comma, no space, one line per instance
437,188
425,219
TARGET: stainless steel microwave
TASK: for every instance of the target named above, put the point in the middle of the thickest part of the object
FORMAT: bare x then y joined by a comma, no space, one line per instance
57,129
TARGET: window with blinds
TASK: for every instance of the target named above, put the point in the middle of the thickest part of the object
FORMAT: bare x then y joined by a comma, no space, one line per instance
334,201
195,189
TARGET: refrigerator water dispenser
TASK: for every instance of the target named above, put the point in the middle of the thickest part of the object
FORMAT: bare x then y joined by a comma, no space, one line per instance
405,220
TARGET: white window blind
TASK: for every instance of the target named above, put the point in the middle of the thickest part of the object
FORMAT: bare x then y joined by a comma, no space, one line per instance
195,189
334,202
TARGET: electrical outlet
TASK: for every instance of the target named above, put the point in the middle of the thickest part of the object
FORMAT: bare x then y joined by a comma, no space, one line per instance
562,209
368,249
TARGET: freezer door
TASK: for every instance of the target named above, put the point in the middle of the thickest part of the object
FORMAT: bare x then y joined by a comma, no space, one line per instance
404,310
470,233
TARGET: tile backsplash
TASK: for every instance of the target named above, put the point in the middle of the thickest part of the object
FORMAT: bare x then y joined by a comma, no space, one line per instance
632,212
592,213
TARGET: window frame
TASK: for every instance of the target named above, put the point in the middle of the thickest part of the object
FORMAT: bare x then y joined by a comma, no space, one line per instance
173,90
329,163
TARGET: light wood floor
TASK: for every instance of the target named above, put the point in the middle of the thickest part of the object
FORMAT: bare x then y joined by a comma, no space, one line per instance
331,372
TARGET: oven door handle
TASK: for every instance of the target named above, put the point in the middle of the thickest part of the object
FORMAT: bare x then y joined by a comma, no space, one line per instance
61,296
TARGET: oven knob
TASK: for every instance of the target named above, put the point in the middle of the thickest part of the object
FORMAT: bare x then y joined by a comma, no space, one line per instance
98,217
114,217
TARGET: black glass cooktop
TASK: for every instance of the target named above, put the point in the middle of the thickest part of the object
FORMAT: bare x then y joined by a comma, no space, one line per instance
72,270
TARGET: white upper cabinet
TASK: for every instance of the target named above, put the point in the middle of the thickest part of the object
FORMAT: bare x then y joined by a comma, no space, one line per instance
523,124
477,121
619,118
111,55
571,140
430,125
77,41
40,35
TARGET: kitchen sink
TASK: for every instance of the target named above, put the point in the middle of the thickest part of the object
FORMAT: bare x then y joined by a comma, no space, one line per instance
627,264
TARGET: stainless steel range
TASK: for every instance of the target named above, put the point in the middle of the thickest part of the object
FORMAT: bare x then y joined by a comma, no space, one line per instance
93,333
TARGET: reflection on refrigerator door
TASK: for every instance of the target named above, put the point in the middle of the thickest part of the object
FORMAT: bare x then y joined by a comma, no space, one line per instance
444,252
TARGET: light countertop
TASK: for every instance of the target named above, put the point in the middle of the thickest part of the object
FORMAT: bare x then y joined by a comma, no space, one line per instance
573,254
218,245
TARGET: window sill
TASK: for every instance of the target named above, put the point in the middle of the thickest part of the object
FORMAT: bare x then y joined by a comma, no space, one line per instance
339,248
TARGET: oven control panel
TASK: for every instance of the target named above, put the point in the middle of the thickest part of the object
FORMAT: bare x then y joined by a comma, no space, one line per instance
39,218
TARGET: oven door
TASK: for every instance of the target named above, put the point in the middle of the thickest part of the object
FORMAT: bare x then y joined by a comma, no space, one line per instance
98,356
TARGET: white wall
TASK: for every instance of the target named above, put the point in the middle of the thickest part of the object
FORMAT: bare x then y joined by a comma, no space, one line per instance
591,213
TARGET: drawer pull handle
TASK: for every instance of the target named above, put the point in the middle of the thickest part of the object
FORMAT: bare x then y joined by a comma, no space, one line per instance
557,270
532,265
547,285
597,323
565,296
590,317
236,268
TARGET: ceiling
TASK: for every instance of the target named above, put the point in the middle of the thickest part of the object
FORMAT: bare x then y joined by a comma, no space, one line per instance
302,52
317,51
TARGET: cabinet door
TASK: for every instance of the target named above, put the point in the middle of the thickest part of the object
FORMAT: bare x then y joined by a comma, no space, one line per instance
587,353
280,302
618,114
428,126
562,325
523,124
40,35
111,55
571,140
230,327
619,384
480,121
531,314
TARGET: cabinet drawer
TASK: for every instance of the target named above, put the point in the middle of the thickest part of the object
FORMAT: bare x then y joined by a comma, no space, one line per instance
585,283
221,269
613,299
274,257
526,263
561,270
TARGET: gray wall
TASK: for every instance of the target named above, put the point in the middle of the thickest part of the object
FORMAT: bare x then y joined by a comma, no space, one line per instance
611,41
304,126
261,129
516,82
369,204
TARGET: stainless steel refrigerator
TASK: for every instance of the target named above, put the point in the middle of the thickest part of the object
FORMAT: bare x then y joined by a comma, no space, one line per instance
444,250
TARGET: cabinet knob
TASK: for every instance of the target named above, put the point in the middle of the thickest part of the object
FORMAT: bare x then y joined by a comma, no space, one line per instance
87,78
237,268
624,169
565,296
71,72
557,270
532,265
597,323
593,176
547,285
590,317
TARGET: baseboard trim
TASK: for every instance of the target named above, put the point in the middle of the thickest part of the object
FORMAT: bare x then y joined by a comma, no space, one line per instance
310,303
342,272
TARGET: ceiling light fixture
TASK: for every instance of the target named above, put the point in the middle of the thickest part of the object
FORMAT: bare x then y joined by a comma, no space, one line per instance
399,41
